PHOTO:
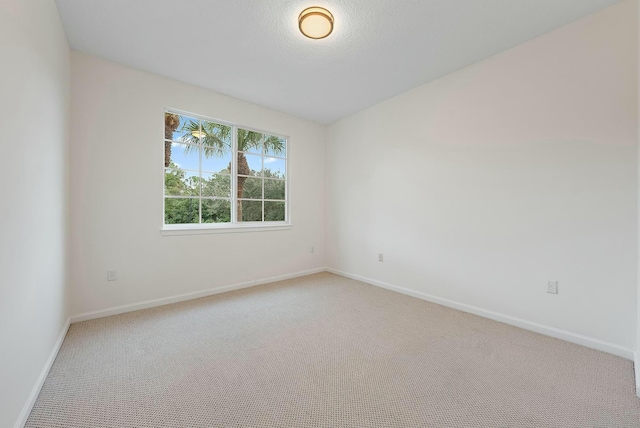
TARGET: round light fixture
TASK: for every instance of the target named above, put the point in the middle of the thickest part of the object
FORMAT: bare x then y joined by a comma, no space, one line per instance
315,22
198,134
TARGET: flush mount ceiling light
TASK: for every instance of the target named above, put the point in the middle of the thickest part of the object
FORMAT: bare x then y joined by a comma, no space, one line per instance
315,22
198,134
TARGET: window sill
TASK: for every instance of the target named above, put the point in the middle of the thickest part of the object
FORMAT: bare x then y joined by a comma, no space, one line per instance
197,229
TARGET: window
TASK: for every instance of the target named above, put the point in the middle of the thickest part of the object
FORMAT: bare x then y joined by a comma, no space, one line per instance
219,175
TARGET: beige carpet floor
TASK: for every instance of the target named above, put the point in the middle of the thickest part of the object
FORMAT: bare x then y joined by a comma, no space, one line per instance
326,351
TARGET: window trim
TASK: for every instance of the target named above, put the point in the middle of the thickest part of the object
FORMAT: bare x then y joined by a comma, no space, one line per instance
234,226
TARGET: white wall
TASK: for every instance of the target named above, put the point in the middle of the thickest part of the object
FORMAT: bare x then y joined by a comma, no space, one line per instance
116,175
34,99
637,356
480,186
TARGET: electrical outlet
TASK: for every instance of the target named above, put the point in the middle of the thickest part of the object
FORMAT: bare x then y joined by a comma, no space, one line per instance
112,275
552,287
380,257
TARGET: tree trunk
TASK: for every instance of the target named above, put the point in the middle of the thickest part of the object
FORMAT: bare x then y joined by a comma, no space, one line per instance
171,122
243,168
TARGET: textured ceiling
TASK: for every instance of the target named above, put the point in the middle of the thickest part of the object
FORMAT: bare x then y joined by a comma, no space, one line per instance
252,49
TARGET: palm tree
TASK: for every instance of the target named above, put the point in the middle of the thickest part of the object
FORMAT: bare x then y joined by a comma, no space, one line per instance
171,122
216,141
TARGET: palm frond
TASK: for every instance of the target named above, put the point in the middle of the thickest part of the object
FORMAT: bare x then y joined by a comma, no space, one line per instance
275,145
249,140
215,138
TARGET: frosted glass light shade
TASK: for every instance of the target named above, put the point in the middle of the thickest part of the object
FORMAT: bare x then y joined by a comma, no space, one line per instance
315,22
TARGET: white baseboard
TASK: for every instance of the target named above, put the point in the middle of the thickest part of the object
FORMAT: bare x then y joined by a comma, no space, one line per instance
636,366
187,296
579,339
26,409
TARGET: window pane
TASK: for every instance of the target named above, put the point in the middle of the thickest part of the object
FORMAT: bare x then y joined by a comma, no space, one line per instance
178,127
253,162
216,142
250,210
275,146
181,183
172,126
274,189
193,183
274,167
216,185
216,211
189,131
183,156
250,141
181,210
216,163
273,211
250,188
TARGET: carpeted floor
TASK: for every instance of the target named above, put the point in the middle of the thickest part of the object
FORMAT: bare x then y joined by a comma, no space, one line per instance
326,351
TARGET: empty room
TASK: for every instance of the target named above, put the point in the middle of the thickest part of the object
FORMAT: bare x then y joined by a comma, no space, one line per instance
343,213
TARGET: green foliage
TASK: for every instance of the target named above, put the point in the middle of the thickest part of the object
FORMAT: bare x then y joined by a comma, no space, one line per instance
181,210
216,211
273,189
255,141
218,185
177,184
215,138
273,211
251,210
174,181
186,210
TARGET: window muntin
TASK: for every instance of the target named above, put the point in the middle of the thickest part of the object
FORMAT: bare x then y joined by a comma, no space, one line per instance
223,174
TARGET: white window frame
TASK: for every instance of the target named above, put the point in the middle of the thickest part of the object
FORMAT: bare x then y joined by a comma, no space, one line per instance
234,225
